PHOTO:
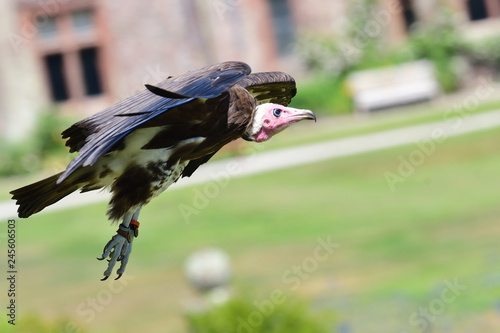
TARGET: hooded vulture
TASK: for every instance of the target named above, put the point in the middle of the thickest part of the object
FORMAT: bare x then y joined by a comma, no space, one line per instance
140,146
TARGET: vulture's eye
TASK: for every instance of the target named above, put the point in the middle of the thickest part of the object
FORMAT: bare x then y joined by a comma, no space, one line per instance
277,112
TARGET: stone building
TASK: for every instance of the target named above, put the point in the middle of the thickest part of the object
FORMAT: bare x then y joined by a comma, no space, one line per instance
79,56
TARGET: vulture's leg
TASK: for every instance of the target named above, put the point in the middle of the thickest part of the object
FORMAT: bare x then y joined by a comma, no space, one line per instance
120,246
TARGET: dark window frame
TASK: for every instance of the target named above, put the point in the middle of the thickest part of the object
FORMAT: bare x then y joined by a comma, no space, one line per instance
78,71
54,64
89,61
284,30
477,10
409,14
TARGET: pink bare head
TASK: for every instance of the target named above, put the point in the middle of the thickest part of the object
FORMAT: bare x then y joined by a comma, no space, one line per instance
270,119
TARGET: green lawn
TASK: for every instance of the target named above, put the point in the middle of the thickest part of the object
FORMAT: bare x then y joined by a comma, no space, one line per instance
397,248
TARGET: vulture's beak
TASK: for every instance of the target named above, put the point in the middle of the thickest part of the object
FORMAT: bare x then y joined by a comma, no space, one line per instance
299,114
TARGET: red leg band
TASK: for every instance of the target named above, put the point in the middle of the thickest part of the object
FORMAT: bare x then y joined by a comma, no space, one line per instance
135,223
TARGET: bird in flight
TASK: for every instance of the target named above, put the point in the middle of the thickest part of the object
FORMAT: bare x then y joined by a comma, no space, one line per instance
140,146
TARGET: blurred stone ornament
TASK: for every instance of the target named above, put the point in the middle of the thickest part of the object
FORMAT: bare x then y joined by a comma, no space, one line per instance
208,269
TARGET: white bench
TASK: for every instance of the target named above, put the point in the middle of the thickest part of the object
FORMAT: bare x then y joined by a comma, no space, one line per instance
392,86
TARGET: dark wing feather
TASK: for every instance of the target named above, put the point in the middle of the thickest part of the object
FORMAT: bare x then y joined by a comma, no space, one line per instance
164,93
195,164
105,129
270,87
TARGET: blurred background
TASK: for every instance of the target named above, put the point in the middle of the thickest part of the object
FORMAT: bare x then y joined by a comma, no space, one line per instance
403,239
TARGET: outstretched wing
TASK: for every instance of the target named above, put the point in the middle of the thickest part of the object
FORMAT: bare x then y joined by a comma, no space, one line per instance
98,134
270,87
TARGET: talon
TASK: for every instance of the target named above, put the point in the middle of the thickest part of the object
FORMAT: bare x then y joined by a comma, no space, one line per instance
107,245
119,248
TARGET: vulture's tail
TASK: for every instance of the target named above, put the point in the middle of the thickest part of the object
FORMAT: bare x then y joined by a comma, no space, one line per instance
35,197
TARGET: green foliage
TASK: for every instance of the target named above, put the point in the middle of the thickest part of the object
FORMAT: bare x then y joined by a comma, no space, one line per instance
18,158
359,13
439,41
485,52
47,136
247,316
324,94
322,54
29,155
339,55
30,324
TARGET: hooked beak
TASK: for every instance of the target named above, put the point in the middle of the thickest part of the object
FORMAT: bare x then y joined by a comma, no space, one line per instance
302,114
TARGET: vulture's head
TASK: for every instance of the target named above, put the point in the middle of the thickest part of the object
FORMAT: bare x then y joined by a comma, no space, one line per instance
270,119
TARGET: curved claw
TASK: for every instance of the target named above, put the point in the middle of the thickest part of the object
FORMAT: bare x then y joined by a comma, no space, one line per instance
118,249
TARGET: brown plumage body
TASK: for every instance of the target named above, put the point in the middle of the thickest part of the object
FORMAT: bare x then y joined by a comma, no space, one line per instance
143,162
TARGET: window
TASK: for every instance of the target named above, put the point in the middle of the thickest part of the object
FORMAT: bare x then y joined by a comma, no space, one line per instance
408,14
88,59
82,20
283,26
71,55
477,10
55,70
47,26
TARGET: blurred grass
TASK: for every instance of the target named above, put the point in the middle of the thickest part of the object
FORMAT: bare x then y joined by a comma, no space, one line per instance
440,224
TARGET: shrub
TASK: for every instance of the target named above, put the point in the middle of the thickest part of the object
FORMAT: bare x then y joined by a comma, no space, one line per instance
47,136
324,94
243,316
439,41
484,52
18,158
43,144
